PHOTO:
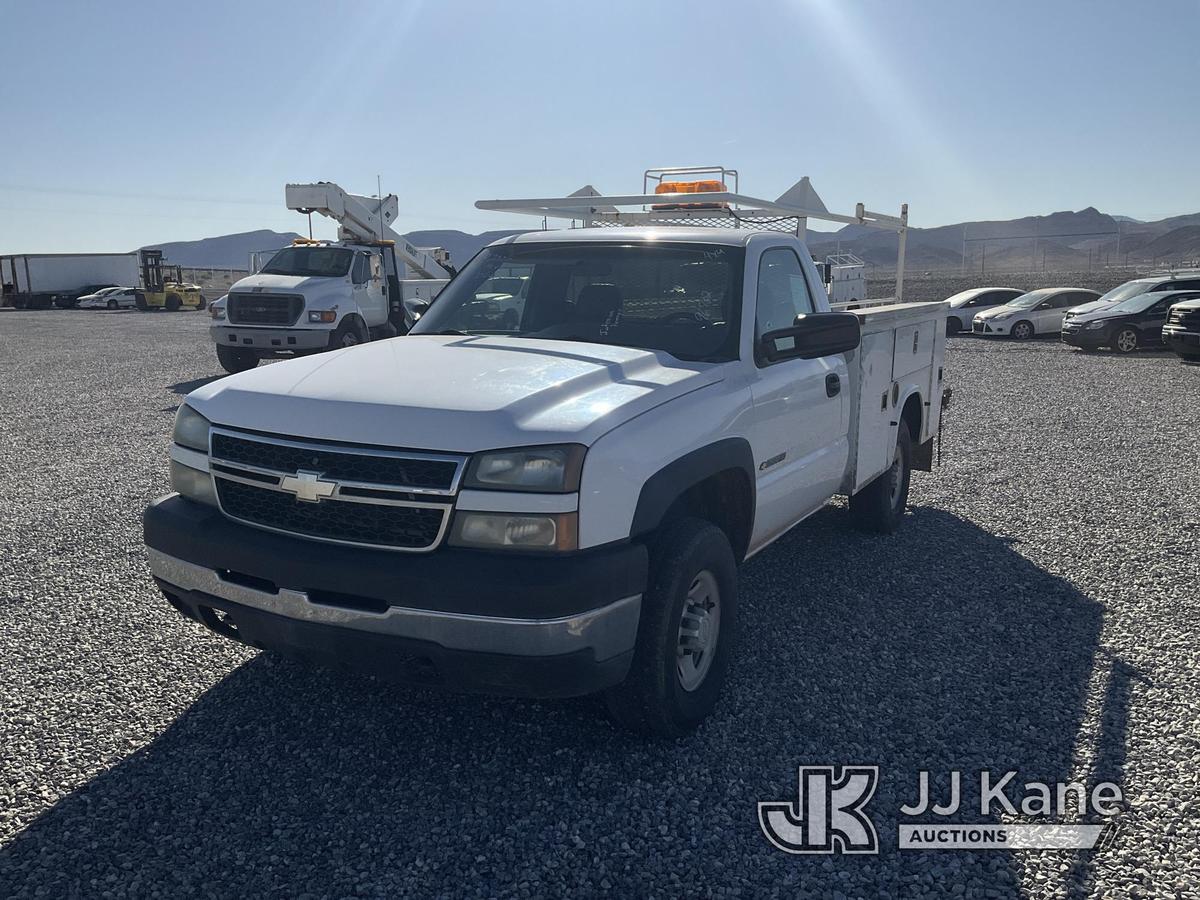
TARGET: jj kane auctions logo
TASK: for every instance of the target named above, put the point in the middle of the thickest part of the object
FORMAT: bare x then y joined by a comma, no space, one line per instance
829,814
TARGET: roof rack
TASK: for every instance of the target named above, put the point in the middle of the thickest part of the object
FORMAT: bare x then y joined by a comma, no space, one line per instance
706,202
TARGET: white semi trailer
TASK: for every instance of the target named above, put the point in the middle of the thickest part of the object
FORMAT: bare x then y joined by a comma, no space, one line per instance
317,295
39,280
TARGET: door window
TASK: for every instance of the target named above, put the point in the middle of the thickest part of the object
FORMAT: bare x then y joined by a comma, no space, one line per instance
782,290
358,274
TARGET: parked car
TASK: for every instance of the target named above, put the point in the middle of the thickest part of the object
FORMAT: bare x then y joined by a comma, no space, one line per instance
71,299
1038,312
109,298
966,304
1130,325
1176,281
1182,329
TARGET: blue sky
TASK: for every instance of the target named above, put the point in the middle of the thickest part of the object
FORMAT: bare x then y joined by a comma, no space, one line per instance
126,124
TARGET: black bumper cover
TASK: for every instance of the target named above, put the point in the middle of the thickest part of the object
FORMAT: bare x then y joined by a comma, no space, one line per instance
448,580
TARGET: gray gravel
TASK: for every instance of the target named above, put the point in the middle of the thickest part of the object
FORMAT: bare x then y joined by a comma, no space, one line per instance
1037,612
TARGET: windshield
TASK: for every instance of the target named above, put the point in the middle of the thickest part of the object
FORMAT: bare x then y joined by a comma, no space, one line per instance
328,262
1030,300
1137,304
684,299
1124,292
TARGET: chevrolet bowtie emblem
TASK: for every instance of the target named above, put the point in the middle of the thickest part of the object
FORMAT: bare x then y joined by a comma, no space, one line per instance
308,486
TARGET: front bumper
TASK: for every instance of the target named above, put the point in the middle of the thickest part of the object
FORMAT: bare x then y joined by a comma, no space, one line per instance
1087,339
989,327
1181,341
245,337
470,620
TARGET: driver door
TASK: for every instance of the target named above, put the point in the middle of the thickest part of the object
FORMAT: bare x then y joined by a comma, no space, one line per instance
800,414
367,278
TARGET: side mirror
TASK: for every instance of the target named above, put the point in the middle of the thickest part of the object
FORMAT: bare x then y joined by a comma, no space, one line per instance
420,307
812,336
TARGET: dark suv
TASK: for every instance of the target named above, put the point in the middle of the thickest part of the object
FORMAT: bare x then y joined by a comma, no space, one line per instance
1182,329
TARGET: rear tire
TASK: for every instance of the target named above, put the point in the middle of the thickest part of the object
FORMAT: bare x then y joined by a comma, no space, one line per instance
112,304
1022,331
1190,357
686,633
879,507
1125,340
234,361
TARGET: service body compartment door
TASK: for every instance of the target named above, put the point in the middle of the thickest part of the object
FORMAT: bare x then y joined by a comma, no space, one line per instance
914,348
876,435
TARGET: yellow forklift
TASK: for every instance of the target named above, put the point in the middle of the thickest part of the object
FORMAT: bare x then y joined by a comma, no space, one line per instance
163,286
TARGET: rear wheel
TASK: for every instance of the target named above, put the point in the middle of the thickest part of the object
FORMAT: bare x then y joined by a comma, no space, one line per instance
234,361
879,506
1125,340
685,633
1022,331
112,304
1190,357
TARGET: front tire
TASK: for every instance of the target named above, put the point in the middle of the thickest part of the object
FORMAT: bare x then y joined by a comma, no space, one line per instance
879,507
685,634
234,361
174,301
1125,340
1022,331
348,334
953,325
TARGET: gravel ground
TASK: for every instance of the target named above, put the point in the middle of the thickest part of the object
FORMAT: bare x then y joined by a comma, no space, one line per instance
1037,612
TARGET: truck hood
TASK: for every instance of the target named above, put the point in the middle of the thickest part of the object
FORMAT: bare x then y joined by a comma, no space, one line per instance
289,283
453,393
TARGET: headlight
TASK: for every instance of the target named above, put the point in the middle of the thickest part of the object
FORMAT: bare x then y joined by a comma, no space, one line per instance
191,429
552,469
192,483
1090,326
517,531
1001,316
322,315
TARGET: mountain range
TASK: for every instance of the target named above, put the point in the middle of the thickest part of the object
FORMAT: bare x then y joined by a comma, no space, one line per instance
1059,241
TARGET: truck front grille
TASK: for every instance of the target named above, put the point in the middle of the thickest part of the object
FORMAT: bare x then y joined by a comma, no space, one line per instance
1185,318
394,499
263,309
400,527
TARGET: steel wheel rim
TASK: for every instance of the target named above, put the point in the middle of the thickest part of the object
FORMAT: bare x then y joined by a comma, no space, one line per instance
699,630
896,476
1126,341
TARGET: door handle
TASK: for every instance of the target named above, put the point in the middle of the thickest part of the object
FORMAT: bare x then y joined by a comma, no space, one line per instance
833,385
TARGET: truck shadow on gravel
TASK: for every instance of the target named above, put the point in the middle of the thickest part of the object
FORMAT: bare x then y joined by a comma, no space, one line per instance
940,648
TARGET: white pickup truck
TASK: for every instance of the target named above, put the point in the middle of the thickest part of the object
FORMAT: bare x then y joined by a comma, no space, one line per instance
557,505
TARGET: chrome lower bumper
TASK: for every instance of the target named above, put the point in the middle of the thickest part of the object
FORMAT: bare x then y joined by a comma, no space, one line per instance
608,631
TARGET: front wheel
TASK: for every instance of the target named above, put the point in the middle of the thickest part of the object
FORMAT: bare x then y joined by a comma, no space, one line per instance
685,633
953,325
879,506
1022,331
1125,340
347,334
234,361
174,301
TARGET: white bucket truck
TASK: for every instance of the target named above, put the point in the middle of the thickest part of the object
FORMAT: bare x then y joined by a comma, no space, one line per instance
320,295
556,502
